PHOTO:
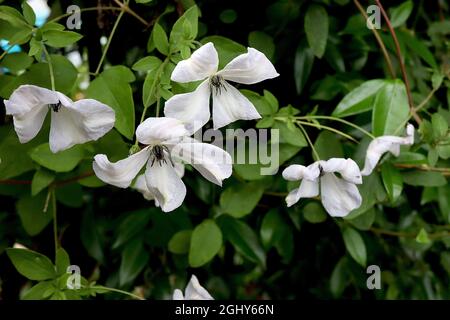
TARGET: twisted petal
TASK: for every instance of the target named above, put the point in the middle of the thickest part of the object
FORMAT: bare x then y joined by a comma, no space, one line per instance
165,185
339,197
154,131
348,169
27,126
120,173
297,172
248,68
177,295
28,97
80,122
307,189
230,105
212,162
383,144
191,108
202,64
194,291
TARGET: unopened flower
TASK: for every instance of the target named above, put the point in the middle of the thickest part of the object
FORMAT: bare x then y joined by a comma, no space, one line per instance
166,140
228,103
383,144
194,291
339,195
71,122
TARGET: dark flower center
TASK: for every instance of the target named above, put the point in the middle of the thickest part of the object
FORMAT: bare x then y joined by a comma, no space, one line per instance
216,84
55,106
157,154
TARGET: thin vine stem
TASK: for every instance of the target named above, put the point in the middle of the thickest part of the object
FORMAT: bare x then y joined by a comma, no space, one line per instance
320,126
50,67
309,141
118,291
108,43
55,220
339,120
379,40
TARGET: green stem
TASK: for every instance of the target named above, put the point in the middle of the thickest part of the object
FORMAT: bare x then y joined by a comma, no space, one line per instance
108,43
158,103
50,67
309,141
118,291
340,120
55,220
327,128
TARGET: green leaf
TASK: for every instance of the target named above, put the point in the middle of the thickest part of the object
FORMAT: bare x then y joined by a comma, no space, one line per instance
439,125
418,47
226,48
243,239
41,179
262,42
62,261
290,134
32,215
354,244
314,213
261,103
31,265
206,242
40,291
148,64
28,13
339,279
60,39
400,14
240,199
228,16
63,161
133,224
410,158
391,109
392,180
275,232
112,88
13,17
180,242
71,195
359,99
424,178
303,63
328,146
178,33
134,260
316,29
160,39
422,237
16,62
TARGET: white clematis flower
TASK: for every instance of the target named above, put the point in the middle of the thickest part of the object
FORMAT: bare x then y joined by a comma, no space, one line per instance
141,185
41,10
228,103
383,144
71,122
339,194
194,291
165,138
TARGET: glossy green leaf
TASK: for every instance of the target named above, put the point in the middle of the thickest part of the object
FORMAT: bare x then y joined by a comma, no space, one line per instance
62,161
31,264
392,180
316,29
240,199
206,242
354,244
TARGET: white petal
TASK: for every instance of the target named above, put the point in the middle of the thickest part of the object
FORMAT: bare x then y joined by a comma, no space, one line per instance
339,197
194,291
348,169
251,67
28,125
202,64
80,122
230,105
212,162
155,131
191,108
383,144
307,189
141,186
28,97
165,184
177,295
120,173
297,172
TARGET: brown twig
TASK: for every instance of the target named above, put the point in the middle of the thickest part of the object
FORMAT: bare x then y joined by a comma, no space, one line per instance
402,63
379,40
423,167
127,9
400,234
